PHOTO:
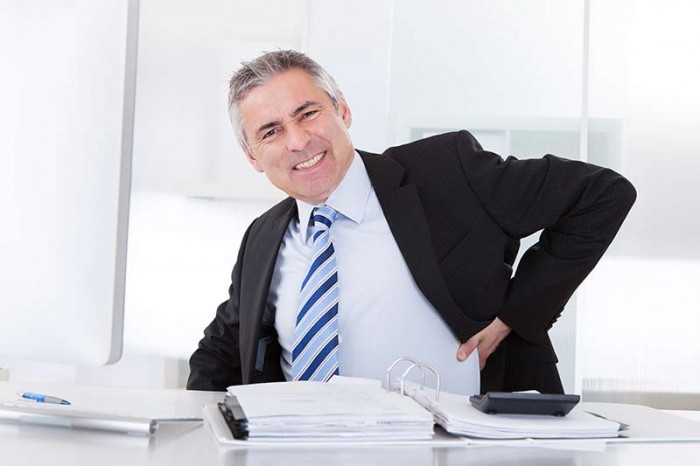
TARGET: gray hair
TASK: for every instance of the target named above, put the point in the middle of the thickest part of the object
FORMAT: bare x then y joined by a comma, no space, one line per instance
257,72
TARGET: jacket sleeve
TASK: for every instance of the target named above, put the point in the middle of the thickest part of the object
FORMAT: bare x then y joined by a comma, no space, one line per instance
579,206
216,364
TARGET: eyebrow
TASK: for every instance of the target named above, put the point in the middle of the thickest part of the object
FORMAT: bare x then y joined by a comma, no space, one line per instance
304,105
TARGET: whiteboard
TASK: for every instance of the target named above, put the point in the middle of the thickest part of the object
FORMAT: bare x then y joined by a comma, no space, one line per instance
66,121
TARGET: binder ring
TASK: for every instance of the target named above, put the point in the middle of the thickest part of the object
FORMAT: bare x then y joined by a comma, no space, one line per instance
400,360
402,379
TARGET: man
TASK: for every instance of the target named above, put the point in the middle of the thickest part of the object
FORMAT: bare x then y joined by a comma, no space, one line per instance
409,250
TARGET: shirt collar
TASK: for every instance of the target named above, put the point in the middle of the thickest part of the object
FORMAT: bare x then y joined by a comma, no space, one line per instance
349,199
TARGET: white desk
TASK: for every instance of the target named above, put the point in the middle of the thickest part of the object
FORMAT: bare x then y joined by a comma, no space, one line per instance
193,444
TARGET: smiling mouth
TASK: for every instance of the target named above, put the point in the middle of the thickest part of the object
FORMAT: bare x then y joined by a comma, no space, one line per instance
311,162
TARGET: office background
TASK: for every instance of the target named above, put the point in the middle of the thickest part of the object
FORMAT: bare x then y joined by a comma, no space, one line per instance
611,82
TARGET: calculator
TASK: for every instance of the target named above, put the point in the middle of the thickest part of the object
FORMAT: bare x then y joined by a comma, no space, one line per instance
524,403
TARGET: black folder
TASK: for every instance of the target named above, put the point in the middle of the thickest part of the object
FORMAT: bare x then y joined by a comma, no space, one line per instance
234,416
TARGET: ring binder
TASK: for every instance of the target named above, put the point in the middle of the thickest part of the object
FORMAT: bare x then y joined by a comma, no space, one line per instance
343,409
348,409
402,380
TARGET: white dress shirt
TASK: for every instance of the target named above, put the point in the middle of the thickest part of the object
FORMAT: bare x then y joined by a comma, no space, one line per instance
381,313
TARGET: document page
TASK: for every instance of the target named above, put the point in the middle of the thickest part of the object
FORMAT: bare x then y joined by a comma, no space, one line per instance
457,416
324,399
340,409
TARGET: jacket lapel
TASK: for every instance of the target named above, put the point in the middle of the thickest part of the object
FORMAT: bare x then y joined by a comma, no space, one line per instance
404,213
259,264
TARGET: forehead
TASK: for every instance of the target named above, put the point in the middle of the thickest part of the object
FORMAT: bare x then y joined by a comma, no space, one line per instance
280,95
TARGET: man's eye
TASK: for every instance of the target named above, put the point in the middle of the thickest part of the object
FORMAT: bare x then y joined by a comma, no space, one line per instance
270,133
310,115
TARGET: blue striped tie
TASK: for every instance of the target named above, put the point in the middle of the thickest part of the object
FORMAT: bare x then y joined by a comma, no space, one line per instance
315,353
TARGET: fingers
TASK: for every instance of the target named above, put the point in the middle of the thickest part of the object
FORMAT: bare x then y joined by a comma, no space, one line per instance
466,348
486,341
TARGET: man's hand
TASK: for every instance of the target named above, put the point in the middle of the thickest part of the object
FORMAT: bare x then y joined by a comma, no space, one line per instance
485,341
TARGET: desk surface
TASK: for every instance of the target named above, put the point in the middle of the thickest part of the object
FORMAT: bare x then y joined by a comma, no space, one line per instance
193,444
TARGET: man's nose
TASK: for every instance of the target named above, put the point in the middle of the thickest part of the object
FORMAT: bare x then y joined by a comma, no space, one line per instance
297,138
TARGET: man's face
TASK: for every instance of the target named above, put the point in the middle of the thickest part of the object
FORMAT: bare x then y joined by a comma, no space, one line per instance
297,137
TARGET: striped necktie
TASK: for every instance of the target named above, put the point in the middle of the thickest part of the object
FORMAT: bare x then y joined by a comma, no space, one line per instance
315,352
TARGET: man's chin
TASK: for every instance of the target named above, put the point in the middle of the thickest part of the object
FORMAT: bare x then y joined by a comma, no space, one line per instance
313,197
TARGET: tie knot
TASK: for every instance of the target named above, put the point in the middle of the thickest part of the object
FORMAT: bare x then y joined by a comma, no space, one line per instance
324,215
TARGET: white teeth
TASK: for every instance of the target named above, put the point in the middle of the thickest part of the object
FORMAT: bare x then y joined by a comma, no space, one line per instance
310,163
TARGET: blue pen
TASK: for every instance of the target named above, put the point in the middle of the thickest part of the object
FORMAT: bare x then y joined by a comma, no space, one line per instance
39,398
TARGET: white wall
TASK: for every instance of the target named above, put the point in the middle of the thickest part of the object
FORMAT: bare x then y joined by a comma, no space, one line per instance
640,305
487,58
187,52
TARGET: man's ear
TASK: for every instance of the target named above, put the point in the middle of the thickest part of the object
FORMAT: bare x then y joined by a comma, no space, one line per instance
252,160
345,112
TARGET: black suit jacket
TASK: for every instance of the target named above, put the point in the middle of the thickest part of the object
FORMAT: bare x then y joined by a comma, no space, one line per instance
457,213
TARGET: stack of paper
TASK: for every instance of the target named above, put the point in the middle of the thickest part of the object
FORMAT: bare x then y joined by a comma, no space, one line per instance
343,409
457,416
